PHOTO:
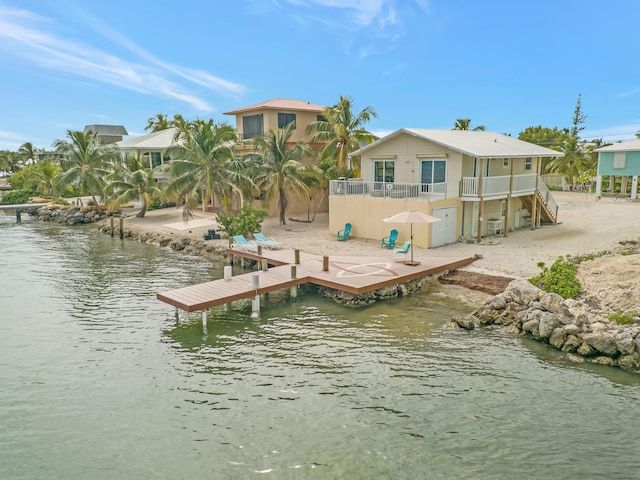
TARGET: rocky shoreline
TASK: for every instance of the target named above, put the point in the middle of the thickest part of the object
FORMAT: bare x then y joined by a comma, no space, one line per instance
523,309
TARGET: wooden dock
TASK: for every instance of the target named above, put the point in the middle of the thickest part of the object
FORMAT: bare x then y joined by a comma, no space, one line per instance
354,275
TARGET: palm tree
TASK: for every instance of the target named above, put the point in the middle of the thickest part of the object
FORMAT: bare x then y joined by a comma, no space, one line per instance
157,123
204,166
27,153
85,162
574,161
281,168
41,177
133,181
465,124
342,132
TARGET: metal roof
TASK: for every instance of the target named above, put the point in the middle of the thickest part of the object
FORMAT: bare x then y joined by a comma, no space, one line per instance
115,130
630,146
154,141
280,104
474,143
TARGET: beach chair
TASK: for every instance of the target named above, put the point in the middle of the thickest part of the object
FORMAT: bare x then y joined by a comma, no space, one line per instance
390,241
242,243
345,232
267,242
401,254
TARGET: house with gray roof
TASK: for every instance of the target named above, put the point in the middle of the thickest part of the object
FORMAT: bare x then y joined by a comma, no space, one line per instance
478,183
107,133
150,148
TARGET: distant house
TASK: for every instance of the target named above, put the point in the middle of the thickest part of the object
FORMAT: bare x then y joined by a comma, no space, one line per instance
478,183
619,160
277,113
150,148
273,114
107,133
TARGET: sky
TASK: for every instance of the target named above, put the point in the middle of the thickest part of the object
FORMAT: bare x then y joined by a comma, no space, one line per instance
505,64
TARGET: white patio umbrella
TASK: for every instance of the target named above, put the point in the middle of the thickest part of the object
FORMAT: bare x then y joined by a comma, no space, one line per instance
411,217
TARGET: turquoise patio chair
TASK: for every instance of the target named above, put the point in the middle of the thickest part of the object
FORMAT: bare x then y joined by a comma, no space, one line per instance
262,239
345,232
401,254
242,243
390,241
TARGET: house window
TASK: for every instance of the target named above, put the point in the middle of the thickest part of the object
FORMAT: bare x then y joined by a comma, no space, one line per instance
432,172
320,118
528,163
505,162
252,126
619,159
384,171
285,119
156,159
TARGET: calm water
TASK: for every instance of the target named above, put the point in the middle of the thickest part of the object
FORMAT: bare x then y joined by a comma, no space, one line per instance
98,381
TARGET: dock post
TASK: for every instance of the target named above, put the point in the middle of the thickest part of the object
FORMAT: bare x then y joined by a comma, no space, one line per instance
296,254
228,270
121,228
255,303
260,250
111,228
177,316
204,321
265,266
18,217
293,291
325,264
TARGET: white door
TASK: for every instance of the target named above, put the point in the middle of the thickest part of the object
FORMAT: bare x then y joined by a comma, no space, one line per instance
444,231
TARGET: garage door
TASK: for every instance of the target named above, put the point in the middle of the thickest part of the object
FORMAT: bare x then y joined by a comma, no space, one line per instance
444,231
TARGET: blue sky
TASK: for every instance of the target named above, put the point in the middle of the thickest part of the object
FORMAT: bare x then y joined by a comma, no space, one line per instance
506,65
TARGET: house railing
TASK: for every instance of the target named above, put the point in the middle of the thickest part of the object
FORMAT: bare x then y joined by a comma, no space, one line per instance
497,186
546,197
421,191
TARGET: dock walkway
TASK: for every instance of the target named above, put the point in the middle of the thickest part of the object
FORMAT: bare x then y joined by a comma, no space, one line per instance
354,275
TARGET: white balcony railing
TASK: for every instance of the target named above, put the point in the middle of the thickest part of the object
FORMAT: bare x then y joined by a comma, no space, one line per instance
421,191
498,186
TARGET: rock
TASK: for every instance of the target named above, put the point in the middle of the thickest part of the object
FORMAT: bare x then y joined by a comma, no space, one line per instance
554,303
548,323
497,303
487,316
575,358
523,292
558,337
631,362
571,344
467,322
572,329
624,342
585,350
602,341
611,362
532,327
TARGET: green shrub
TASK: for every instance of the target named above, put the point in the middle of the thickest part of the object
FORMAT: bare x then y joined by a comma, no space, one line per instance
17,197
560,278
245,221
622,318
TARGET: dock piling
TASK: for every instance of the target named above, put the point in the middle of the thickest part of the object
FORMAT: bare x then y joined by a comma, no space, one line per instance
255,303
121,228
325,264
293,291
296,254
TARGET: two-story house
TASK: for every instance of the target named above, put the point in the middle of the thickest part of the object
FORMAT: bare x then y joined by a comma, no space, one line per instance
478,183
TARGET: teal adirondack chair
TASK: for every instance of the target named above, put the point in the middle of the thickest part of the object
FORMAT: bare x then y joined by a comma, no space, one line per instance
345,232
390,240
263,240
400,254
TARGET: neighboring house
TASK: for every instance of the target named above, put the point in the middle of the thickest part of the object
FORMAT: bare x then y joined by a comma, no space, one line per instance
619,160
107,133
150,148
476,182
256,119
273,114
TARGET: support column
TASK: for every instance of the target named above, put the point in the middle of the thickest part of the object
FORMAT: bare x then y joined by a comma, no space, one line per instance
255,303
598,186
634,187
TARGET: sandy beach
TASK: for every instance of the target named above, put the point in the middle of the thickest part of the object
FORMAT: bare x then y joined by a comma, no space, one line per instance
586,225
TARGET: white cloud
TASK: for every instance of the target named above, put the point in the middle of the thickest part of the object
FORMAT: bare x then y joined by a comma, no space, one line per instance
27,36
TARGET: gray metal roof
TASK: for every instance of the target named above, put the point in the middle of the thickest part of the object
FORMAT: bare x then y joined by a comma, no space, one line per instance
630,146
112,130
153,141
473,143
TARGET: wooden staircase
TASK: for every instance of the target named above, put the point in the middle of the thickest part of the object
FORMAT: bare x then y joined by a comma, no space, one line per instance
548,205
